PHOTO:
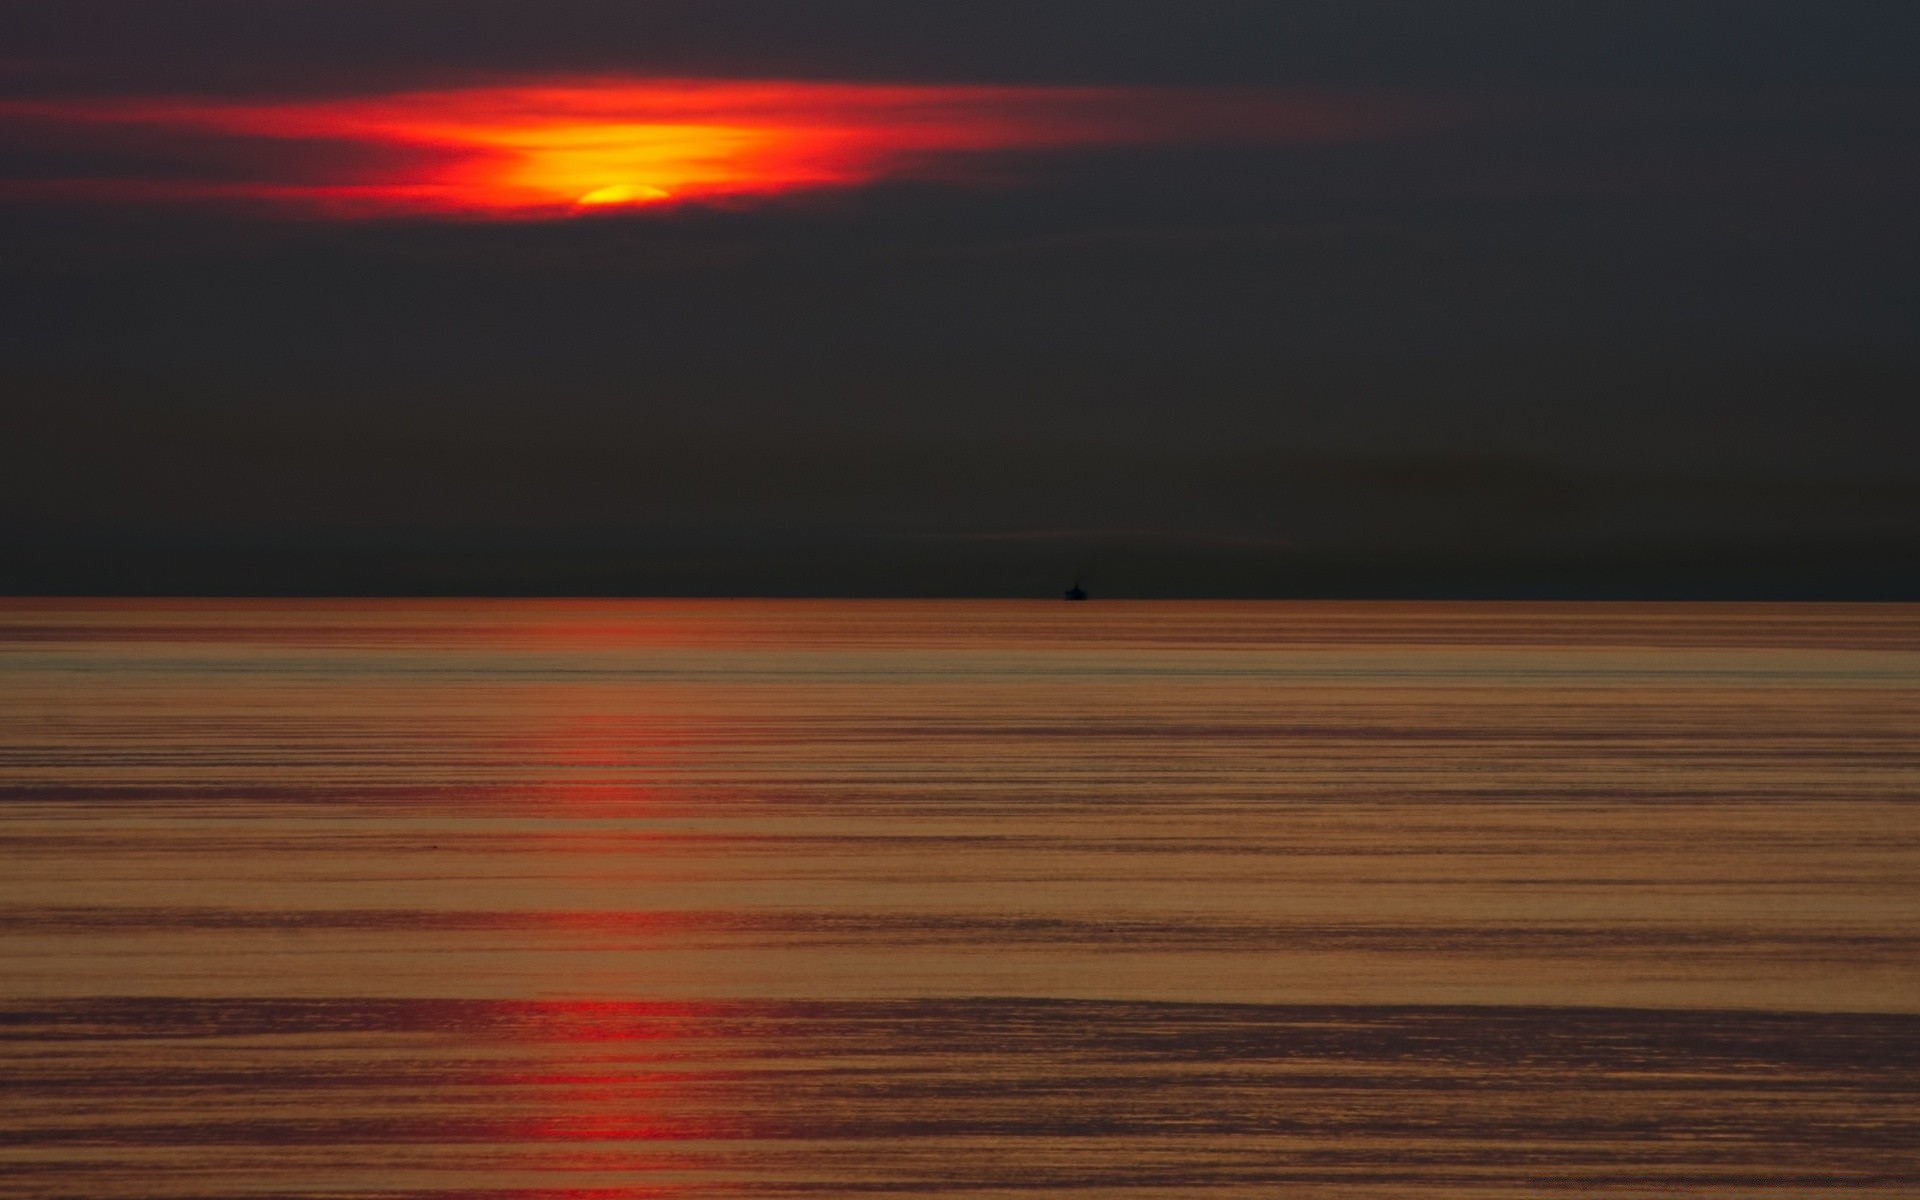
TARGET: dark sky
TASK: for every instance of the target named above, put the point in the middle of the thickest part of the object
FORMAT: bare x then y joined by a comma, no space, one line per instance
1620,300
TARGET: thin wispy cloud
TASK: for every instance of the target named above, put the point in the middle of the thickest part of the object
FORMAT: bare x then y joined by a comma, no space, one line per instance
553,147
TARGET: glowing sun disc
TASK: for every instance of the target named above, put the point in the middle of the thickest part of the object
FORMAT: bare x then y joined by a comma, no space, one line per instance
623,193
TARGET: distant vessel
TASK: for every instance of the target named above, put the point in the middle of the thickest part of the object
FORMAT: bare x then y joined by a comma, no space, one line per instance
1076,592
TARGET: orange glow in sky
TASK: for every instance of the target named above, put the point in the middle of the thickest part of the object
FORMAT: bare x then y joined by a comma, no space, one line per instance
556,148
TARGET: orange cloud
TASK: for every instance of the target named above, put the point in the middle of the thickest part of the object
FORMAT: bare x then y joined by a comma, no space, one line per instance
555,148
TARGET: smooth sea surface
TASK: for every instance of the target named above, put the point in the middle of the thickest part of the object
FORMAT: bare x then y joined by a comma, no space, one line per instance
886,899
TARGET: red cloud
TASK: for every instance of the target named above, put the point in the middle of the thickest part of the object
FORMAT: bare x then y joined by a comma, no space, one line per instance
557,147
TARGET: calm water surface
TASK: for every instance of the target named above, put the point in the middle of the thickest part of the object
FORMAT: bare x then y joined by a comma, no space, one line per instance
738,898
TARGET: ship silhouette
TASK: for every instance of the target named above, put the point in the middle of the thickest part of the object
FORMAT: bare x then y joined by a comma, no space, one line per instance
1076,592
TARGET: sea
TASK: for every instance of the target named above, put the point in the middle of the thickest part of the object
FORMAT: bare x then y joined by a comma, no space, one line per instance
716,898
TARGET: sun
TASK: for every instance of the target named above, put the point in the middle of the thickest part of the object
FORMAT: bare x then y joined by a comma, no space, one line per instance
623,194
